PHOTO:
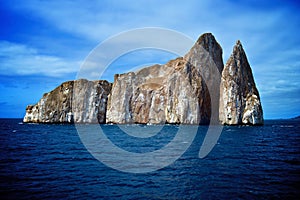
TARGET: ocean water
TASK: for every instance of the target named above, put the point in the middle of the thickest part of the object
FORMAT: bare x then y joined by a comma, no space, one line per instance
40,161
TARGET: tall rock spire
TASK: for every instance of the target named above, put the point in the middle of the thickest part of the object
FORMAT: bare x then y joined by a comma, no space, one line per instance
206,45
239,98
206,56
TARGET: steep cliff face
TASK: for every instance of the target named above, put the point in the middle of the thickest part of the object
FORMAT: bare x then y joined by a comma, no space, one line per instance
173,93
157,94
78,101
239,97
206,56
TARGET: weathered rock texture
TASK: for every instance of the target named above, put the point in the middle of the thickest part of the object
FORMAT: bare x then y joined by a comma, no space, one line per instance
80,101
206,56
172,93
239,97
194,89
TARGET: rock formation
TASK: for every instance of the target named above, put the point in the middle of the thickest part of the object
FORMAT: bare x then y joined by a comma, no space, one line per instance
79,101
157,94
239,97
194,89
172,93
206,56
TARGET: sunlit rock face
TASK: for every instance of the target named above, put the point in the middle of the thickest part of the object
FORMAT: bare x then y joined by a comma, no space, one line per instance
80,101
239,98
172,93
157,94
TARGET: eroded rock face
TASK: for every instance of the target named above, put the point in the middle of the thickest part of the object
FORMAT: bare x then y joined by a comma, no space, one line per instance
80,101
157,94
206,56
172,93
239,97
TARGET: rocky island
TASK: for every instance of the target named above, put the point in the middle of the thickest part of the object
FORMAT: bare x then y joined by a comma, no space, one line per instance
192,89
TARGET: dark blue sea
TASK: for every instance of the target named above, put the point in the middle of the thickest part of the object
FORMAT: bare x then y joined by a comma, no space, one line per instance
42,161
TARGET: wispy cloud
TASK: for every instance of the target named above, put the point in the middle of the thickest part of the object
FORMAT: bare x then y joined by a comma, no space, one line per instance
254,23
19,59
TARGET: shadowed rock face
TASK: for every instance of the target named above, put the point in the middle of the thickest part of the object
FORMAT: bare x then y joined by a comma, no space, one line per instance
172,93
206,56
194,89
239,97
78,101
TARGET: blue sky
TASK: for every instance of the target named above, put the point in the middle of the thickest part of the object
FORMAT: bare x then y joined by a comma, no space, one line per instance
43,43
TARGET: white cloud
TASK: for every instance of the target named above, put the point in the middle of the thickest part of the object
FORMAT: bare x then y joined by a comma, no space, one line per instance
19,59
